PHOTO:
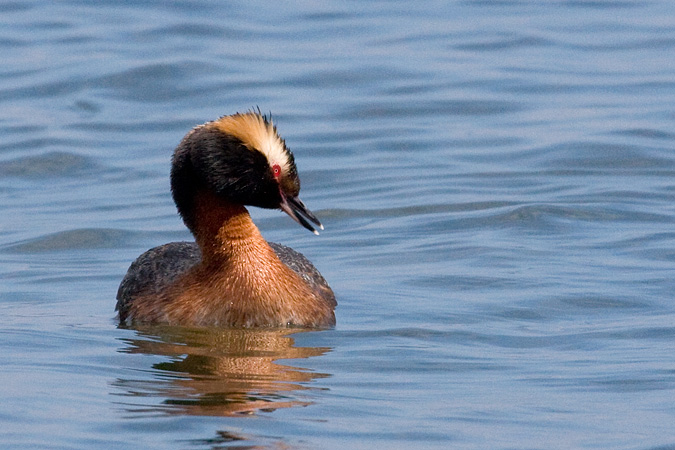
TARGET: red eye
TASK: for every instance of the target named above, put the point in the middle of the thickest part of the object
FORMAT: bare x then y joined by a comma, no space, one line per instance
276,170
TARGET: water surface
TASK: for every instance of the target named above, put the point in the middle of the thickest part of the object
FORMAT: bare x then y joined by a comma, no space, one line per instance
497,184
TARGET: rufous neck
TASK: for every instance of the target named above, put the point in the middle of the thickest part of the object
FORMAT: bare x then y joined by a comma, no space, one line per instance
222,229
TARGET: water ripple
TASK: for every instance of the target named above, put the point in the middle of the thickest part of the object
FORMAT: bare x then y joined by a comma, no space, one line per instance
79,239
52,164
496,181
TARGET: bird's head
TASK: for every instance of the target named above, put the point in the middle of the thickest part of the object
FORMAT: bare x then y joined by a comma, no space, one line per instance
242,159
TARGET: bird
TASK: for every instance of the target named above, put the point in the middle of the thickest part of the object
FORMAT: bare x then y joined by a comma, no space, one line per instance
230,276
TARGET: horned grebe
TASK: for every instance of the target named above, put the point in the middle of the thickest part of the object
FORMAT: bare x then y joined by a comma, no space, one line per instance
231,276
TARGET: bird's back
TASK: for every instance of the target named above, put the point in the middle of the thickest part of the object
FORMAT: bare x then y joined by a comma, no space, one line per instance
154,271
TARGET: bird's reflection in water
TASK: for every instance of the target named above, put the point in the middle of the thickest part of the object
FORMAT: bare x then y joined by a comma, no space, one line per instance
218,372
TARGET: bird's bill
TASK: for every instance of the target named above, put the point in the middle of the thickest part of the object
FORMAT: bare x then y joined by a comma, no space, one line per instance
294,207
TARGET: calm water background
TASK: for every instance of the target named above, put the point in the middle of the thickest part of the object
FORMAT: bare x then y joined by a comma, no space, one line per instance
497,181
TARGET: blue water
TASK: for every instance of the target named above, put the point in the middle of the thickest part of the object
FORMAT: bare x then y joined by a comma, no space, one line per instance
497,182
